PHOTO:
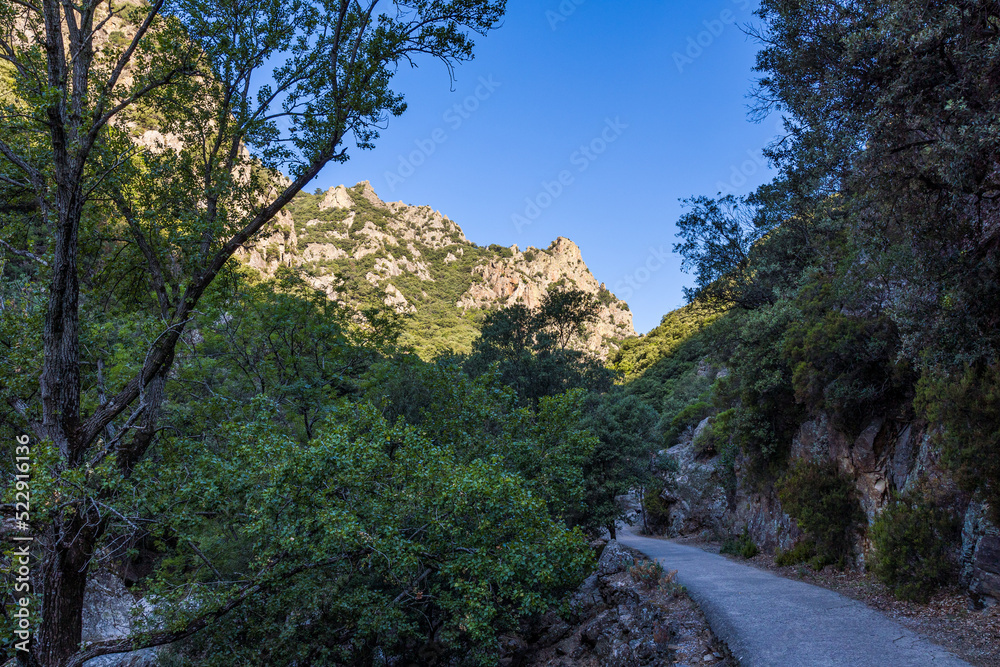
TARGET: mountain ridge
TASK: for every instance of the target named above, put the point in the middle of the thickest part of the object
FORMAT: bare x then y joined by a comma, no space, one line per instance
361,250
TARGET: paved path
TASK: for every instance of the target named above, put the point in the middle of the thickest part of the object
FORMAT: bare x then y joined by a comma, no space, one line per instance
770,621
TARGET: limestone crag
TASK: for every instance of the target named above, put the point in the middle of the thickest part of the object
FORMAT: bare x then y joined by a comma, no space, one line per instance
525,277
355,247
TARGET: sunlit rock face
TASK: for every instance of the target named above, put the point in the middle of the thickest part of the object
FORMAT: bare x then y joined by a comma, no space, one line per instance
413,258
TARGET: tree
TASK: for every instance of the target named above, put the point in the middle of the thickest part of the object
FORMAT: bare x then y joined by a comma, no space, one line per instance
283,339
398,545
565,313
891,113
173,214
532,346
626,431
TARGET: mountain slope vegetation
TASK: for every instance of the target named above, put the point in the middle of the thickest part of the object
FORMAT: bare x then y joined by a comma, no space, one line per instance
852,355
365,252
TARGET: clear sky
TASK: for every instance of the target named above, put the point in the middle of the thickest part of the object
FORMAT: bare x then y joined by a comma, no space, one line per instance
588,119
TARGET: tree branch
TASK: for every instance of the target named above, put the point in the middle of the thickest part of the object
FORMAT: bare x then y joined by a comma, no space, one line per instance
23,253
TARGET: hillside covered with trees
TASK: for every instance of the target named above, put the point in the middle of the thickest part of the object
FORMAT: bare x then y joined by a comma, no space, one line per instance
838,364
317,428
243,435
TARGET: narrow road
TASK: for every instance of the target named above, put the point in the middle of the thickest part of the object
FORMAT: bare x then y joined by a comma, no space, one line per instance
769,621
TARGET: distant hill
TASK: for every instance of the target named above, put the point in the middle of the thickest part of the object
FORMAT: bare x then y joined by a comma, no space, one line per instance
361,250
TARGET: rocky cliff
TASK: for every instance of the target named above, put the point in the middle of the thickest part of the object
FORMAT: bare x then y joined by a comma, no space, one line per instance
361,250
701,496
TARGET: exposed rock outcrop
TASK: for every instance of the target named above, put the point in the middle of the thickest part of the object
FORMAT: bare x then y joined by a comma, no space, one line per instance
111,612
617,621
889,456
345,233
980,556
525,277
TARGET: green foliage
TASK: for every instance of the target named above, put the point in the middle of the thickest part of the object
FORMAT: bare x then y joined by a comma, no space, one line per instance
626,431
967,404
118,39
714,439
656,508
695,408
665,462
844,363
801,552
506,253
742,546
636,356
823,504
548,446
530,347
912,547
386,529
720,237
760,384
278,338
912,187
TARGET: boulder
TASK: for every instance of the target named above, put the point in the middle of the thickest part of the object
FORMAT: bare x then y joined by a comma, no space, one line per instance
111,612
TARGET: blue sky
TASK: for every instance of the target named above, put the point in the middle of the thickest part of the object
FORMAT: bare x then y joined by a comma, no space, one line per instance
588,119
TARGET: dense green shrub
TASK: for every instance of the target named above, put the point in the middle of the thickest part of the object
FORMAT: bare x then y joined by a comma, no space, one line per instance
638,355
657,509
714,439
823,504
688,417
760,384
740,545
804,551
846,364
967,404
665,462
912,541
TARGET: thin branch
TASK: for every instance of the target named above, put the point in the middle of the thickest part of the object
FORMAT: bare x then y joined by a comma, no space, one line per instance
23,253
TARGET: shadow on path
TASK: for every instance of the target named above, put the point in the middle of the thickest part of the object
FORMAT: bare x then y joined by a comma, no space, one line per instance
769,621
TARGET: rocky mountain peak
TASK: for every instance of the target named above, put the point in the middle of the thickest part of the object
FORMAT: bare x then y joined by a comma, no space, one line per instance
358,249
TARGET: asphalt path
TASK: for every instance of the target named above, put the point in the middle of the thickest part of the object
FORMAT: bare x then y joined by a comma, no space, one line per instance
770,621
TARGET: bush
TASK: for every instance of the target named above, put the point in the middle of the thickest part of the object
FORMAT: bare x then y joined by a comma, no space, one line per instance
967,404
714,438
652,575
803,552
911,545
665,463
656,508
689,417
647,572
823,504
740,546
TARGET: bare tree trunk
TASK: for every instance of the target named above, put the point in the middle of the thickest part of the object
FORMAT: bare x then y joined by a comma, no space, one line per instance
64,579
